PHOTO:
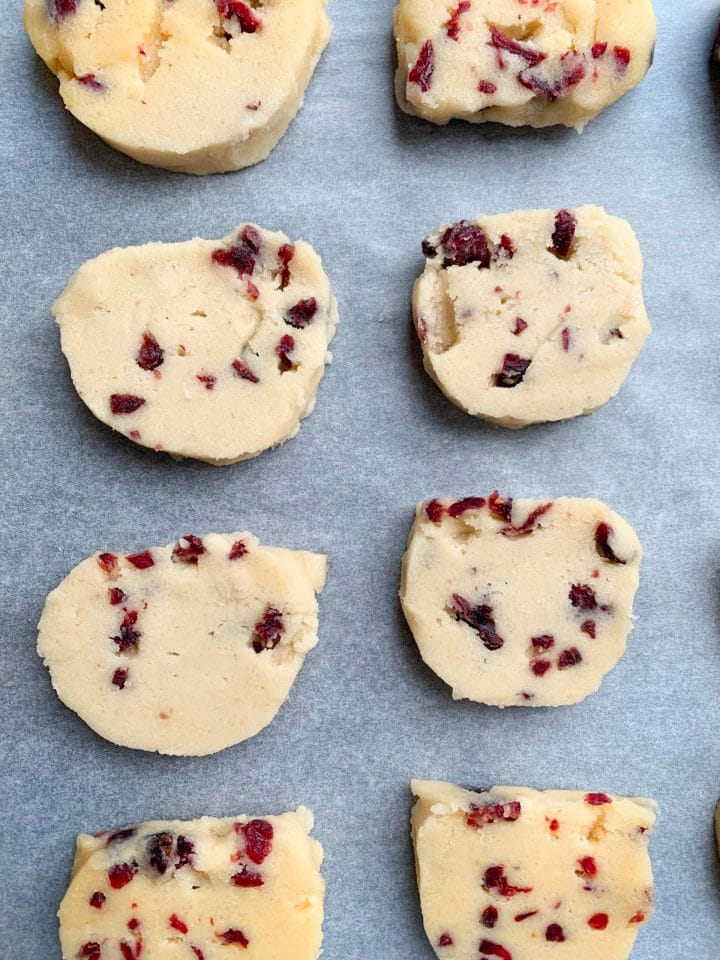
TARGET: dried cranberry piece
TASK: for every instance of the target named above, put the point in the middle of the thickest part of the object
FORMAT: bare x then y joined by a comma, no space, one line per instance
480,618
569,658
622,58
128,635
107,562
237,10
603,533
159,849
468,503
268,630
198,953
588,867
90,81
128,952
121,835
639,917
506,248
540,667
555,934
565,338
121,874
141,560
486,86
133,924
501,41
465,243
598,49
184,852
285,254
59,9
285,346
424,67
188,549
500,507
235,936
150,355
582,596
525,916
302,313
90,951
237,551
528,526
564,234
452,27
247,878
597,799
445,939
494,950
489,917
243,371
513,371
495,879
590,628
116,596
258,839
208,380
120,677
478,817
434,510
544,642
97,900
177,924
122,403
242,254
598,921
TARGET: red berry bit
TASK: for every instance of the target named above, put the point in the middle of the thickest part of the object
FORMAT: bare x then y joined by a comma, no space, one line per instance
268,631
602,544
57,11
506,249
582,597
598,50
285,254
141,561
121,874
622,59
597,799
258,836
598,921
555,933
188,549
488,949
247,878
235,936
107,562
242,370
285,346
544,642
495,879
479,817
237,10
453,25
569,658
150,355
540,667
500,507
590,628
501,41
124,403
177,924
128,952
207,380
587,868
487,87
116,596
525,916
242,255
520,325
128,636
563,235
465,243
638,918
237,551
422,72
97,900
302,313
513,371
565,338
120,835
90,81
120,677
529,524
479,618
434,510
89,951
198,953
489,917
460,507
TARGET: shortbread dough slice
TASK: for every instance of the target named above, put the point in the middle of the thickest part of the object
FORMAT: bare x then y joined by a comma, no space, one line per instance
531,316
184,649
206,349
511,873
208,889
518,63
520,603
198,86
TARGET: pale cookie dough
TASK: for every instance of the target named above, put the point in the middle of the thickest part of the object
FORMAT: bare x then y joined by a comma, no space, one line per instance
184,649
207,349
198,86
516,874
518,62
520,603
531,316
206,889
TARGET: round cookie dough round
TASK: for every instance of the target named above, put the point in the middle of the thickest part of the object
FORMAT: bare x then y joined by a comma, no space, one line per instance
198,86
511,873
205,349
207,889
520,603
531,316
185,649
520,63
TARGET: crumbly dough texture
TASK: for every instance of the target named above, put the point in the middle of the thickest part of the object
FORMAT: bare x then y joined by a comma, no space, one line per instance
184,649
205,349
198,86
517,874
520,63
531,316
520,603
208,889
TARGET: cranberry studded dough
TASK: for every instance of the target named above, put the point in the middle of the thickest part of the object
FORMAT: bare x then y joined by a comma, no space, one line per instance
205,349
520,603
517,874
201,890
184,649
517,62
531,316
199,86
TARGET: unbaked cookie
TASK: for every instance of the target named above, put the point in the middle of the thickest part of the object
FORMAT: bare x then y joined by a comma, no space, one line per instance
518,62
531,316
520,603
184,649
206,889
206,349
198,86
513,874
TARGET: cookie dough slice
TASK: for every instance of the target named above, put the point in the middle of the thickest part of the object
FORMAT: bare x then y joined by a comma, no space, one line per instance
520,63
206,349
520,603
208,889
511,873
198,86
531,316
184,649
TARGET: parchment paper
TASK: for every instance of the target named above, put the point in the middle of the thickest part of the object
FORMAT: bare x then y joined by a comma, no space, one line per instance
364,184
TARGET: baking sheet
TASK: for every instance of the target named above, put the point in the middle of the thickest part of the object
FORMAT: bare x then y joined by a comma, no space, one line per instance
364,184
